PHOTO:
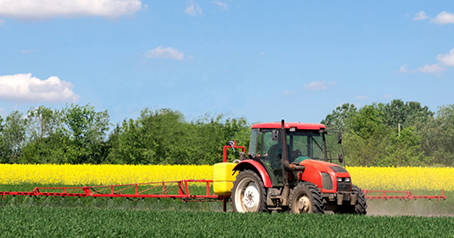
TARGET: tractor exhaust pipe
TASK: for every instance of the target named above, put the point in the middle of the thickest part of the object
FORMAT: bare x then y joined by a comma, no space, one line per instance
284,158
285,162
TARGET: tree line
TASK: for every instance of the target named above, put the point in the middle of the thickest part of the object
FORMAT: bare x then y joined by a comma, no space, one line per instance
81,135
394,134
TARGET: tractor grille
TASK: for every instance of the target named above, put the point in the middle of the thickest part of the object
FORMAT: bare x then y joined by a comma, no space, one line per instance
343,186
327,183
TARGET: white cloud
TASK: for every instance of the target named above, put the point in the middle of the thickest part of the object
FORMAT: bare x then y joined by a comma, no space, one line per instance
420,16
403,68
223,5
25,88
443,18
434,68
45,9
165,53
443,60
447,59
288,93
318,85
193,10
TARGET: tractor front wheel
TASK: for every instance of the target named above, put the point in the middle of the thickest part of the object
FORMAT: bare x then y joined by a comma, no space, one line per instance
248,193
359,208
306,198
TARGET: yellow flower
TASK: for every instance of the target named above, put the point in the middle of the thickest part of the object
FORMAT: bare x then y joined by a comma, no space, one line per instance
403,178
100,174
374,178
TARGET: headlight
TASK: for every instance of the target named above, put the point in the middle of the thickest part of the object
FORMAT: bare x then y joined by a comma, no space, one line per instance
347,179
339,179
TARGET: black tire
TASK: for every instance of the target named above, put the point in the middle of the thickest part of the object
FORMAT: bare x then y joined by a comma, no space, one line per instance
248,193
360,208
306,198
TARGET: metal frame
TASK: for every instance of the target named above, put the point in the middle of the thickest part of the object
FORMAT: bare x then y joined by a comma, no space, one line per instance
165,189
404,195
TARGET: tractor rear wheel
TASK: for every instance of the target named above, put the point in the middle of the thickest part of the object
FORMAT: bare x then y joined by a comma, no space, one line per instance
248,193
306,198
359,208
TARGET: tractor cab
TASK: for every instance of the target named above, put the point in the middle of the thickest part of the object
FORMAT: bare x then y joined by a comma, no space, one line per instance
304,141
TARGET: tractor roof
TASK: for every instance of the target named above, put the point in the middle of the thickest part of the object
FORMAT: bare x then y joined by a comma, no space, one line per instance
287,125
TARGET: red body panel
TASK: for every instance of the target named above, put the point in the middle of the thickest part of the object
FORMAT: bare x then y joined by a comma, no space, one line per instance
262,171
288,125
314,170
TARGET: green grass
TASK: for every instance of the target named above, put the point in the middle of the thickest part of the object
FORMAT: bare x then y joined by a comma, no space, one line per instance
92,222
88,217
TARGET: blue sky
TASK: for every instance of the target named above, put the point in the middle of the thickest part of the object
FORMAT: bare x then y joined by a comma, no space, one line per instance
264,61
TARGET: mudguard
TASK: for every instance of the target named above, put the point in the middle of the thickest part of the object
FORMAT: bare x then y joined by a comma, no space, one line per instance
257,167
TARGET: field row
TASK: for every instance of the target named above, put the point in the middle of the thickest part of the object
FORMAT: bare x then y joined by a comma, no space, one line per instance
402,178
92,222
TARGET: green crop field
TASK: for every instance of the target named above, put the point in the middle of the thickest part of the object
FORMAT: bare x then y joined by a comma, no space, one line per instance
88,217
92,222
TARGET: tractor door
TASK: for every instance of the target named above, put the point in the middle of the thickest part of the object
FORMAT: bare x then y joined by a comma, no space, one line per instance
265,145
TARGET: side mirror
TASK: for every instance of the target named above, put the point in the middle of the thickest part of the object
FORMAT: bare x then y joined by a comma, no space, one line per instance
275,135
339,138
340,156
231,144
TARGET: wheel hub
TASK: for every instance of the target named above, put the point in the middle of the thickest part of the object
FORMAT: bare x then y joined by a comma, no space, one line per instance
250,197
304,204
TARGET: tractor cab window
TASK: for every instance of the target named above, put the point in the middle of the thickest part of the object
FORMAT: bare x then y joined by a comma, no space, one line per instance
334,148
305,145
268,149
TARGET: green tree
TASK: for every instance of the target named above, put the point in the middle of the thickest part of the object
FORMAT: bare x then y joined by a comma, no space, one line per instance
404,149
87,131
406,114
366,139
3,148
212,134
43,122
13,132
47,142
164,137
340,117
438,138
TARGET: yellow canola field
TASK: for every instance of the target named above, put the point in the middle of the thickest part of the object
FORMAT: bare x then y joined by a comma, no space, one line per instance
100,174
375,178
403,178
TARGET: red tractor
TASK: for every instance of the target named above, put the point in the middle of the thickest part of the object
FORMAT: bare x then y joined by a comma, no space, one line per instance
287,169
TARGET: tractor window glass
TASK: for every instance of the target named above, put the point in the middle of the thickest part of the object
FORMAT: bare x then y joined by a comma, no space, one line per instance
254,143
317,145
268,142
305,145
269,151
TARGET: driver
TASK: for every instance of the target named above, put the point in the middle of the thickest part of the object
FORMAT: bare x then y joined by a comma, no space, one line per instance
275,154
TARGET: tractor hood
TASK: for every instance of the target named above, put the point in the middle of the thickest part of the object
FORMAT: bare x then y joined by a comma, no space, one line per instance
323,166
329,177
